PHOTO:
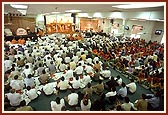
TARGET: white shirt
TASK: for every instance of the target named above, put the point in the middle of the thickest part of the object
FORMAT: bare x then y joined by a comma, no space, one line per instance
63,85
79,70
106,73
49,88
122,91
111,93
58,61
75,58
17,84
127,106
119,81
78,53
62,67
69,74
95,59
132,87
26,72
73,99
76,83
89,60
32,94
67,59
8,64
89,69
29,82
19,55
14,98
57,107
85,107
86,79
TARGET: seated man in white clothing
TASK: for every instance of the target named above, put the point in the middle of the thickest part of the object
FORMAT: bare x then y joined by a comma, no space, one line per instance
69,74
29,81
76,83
127,105
105,73
17,84
57,104
111,95
85,104
32,93
14,98
131,86
72,98
89,61
86,79
63,84
49,88
79,70
89,69
118,79
27,71
62,67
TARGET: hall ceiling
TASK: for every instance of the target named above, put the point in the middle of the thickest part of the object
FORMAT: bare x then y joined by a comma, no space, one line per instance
47,7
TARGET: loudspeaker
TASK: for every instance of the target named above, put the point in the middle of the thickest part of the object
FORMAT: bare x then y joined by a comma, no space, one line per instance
111,21
73,15
44,20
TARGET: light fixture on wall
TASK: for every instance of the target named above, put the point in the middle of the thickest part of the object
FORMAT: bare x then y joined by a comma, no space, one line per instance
73,11
19,6
138,5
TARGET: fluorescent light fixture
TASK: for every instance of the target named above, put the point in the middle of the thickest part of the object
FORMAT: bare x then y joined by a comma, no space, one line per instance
133,19
156,20
138,5
67,14
97,15
73,11
23,11
116,15
46,14
83,15
55,12
89,17
19,6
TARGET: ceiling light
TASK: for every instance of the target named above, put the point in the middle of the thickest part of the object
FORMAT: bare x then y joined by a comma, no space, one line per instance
97,15
18,6
23,11
55,12
73,11
46,14
68,14
138,5
133,19
156,20
83,15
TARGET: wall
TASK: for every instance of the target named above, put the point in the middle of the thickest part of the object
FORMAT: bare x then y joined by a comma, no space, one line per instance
149,28
128,15
19,22
157,26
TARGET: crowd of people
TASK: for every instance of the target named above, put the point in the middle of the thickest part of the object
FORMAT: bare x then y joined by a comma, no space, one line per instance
144,60
53,64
